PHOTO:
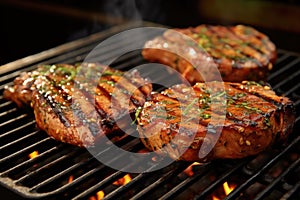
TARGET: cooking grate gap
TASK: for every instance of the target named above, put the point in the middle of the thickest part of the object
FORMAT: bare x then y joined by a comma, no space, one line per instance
10,136
280,58
288,82
9,111
142,181
20,156
17,121
21,142
100,181
284,72
6,105
182,182
53,166
148,183
276,181
79,169
293,193
108,184
218,181
258,162
10,115
236,192
37,160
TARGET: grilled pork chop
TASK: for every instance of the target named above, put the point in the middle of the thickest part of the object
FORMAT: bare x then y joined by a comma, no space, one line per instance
182,122
74,106
239,52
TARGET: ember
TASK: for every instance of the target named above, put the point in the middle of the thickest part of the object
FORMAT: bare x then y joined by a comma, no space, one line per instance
33,154
70,179
227,189
99,195
189,170
123,181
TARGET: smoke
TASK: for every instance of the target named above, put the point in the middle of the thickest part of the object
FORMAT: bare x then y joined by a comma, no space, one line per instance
135,9
122,8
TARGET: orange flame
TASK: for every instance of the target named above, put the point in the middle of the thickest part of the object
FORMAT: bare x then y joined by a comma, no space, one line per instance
215,198
99,196
189,170
33,154
227,188
123,181
71,178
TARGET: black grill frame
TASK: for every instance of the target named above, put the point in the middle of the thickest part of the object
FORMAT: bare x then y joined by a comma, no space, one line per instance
31,178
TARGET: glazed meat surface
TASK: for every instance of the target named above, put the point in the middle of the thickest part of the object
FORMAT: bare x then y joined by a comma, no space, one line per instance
215,121
238,52
79,104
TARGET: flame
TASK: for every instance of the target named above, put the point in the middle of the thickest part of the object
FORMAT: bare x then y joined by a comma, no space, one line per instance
189,170
33,154
99,196
70,179
227,188
123,181
215,198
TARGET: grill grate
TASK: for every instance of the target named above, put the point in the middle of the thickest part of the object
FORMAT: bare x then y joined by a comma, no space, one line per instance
64,171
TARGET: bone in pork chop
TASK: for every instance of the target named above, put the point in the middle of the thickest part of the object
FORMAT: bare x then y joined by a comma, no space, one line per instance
238,52
178,121
72,106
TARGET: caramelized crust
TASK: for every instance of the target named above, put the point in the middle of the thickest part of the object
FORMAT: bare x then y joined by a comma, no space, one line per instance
79,104
183,122
239,52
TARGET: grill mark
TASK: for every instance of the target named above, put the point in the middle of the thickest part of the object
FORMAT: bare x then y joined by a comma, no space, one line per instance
139,81
64,94
212,52
260,53
267,99
178,110
100,107
135,98
58,112
260,37
93,127
231,119
238,48
91,95
55,108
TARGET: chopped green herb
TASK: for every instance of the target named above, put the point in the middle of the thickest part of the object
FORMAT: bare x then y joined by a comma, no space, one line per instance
136,114
110,73
267,122
205,116
188,108
111,83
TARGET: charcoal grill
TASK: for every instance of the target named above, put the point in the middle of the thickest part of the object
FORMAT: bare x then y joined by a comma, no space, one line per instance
62,171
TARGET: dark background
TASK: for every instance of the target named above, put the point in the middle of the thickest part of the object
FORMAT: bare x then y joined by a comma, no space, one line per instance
31,26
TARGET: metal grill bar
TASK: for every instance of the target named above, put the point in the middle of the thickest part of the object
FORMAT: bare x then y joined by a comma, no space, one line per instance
220,181
275,182
283,69
235,193
290,194
154,185
38,158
